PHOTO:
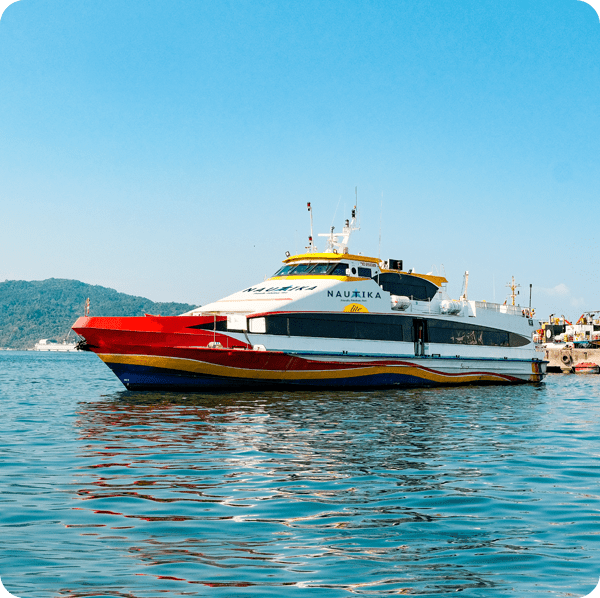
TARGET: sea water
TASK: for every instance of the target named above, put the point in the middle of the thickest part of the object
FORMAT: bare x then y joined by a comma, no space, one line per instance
490,491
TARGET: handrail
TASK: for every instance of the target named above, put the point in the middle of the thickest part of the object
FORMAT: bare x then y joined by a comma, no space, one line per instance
514,310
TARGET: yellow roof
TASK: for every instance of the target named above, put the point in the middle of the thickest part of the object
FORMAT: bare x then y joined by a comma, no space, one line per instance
331,256
436,280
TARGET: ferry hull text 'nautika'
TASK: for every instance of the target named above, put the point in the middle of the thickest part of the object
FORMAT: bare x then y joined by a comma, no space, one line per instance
330,319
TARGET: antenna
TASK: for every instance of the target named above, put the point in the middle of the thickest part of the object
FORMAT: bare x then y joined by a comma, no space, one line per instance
380,220
530,285
334,244
463,297
336,209
311,246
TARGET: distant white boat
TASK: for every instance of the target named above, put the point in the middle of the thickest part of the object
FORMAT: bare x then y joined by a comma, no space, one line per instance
49,345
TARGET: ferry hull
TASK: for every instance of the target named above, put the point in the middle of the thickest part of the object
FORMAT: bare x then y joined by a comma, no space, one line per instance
144,377
148,354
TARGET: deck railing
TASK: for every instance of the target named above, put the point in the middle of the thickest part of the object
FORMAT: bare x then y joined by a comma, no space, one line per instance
514,310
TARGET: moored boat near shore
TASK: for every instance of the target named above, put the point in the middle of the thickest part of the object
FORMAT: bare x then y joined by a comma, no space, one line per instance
52,346
586,367
332,319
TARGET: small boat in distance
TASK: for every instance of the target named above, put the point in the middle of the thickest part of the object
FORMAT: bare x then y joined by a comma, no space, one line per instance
50,345
329,319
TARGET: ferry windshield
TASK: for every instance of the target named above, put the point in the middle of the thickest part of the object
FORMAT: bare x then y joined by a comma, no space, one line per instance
283,271
302,269
323,268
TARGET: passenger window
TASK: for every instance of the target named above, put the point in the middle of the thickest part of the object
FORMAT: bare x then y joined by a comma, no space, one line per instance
364,272
339,270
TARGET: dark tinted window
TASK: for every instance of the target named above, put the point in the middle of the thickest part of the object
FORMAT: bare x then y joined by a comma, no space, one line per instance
301,269
388,328
283,271
406,285
322,268
364,272
339,269
379,327
319,268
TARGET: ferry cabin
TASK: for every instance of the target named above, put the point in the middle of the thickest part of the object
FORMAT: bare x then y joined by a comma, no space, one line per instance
329,303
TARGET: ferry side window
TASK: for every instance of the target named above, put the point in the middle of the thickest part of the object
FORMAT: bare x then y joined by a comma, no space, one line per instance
339,270
364,272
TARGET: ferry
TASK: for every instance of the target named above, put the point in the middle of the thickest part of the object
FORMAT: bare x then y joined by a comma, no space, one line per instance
331,319
53,346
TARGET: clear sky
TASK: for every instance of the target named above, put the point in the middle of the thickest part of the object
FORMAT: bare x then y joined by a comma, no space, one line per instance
168,148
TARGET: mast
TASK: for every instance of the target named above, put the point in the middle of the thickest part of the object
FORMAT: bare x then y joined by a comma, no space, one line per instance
513,286
463,296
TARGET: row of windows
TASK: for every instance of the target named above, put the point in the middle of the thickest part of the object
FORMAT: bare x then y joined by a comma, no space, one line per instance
387,328
324,268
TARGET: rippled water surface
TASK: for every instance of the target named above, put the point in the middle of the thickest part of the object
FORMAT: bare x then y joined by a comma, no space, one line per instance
492,491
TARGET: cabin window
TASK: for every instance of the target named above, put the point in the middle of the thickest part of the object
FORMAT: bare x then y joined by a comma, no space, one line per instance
283,271
364,272
321,268
257,325
406,285
339,270
384,328
375,327
301,269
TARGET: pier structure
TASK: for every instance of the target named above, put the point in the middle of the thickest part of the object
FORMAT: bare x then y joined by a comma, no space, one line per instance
565,358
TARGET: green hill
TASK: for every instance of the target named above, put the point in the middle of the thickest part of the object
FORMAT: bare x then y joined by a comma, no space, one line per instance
32,310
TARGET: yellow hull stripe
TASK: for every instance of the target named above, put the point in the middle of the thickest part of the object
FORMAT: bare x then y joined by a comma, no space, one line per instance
211,369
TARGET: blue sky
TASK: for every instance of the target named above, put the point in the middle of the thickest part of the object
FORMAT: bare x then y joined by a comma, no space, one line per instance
168,149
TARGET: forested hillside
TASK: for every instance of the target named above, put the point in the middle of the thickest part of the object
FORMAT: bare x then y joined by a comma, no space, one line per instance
30,311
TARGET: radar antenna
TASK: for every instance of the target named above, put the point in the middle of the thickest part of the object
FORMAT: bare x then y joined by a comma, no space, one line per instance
338,242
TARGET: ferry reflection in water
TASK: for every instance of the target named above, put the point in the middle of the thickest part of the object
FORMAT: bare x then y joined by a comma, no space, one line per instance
387,492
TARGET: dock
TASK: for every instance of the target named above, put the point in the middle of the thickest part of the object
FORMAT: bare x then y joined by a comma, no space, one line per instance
564,359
